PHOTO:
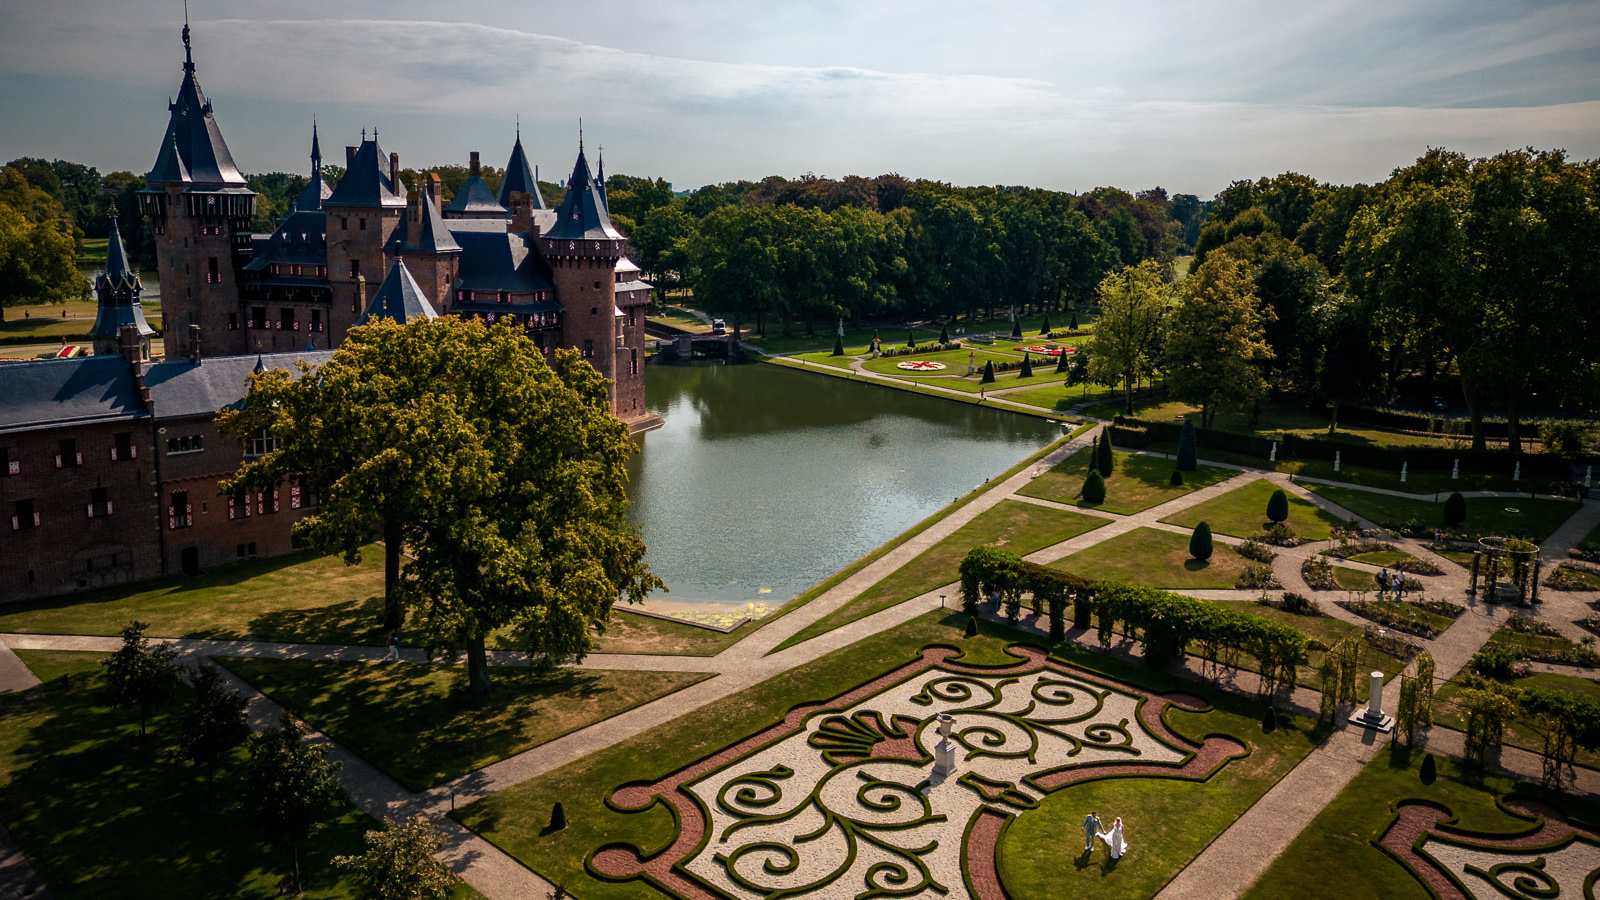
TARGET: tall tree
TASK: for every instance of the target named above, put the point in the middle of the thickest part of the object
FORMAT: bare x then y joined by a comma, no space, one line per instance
510,476
213,722
289,787
139,674
398,863
1132,303
1216,345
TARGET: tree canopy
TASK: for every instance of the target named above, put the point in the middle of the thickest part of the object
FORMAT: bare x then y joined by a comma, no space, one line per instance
504,477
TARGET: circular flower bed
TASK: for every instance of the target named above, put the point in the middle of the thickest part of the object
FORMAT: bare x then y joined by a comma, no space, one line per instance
1047,351
920,365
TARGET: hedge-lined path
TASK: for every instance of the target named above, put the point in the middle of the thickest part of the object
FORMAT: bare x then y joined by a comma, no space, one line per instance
753,660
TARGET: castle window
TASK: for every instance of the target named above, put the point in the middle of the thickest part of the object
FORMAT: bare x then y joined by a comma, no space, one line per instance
99,503
67,454
122,446
297,270
344,223
287,321
355,267
633,362
363,222
179,513
9,466
23,516
213,272
588,349
505,296
275,268
261,445
316,321
597,285
233,321
594,310
258,317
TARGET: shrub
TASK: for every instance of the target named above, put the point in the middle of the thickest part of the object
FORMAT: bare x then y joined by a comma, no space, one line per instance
1279,535
1416,566
1499,663
1094,487
972,626
1102,456
1072,323
1188,448
1177,478
838,345
1522,624
1200,542
944,334
1027,366
1455,510
1016,329
911,339
1299,604
1429,771
1269,722
988,373
1278,506
1256,576
1061,363
1255,550
1318,573
558,817
1045,328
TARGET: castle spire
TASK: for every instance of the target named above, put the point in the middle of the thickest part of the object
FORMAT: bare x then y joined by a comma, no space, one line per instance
188,49
316,149
519,177
198,154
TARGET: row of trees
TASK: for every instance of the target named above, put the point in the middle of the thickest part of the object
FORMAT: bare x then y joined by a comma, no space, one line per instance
287,786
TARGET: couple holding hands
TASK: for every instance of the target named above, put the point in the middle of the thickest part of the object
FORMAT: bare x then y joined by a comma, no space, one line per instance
1113,838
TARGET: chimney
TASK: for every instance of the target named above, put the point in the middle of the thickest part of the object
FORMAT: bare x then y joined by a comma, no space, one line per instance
394,172
473,166
349,158
128,342
194,344
435,191
522,214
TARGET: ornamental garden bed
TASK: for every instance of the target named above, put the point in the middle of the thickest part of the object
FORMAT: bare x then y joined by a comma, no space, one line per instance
615,825
1411,618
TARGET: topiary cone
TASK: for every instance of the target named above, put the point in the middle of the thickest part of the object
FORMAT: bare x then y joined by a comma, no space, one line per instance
1016,329
944,334
1072,323
1027,366
1278,506
1094,487
558,817
988,373
1045,328
1200,542
972,626
1188,448
1269,722
911,339
1061,363
1102,454
1429,770
838,345
1177,478
1455,510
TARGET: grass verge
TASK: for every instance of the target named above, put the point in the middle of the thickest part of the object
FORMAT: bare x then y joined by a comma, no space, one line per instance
1242,512
1138,481
1156,558
1534,519
418,724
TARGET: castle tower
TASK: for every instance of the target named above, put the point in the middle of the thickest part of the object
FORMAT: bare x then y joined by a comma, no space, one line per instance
424,241
117,291
583,248
200,209
362,214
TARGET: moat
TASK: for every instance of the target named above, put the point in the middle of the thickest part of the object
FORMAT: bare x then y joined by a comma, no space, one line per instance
764,481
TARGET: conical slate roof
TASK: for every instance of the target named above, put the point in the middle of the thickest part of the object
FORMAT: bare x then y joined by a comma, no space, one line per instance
429,234
583,214
192,150
117,292
399,298
520,178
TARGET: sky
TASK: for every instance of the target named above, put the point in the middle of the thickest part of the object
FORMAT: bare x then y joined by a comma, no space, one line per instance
1067,95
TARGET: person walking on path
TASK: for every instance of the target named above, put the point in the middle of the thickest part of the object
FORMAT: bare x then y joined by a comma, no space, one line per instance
1399,585
1091,831
394,647
1383,584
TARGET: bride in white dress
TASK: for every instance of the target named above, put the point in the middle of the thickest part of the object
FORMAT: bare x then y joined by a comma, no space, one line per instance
1114,839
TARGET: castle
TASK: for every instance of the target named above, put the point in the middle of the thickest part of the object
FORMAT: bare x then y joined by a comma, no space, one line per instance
111,465
558,274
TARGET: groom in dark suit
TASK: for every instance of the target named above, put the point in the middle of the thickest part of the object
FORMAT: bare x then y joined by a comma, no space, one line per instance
1091,830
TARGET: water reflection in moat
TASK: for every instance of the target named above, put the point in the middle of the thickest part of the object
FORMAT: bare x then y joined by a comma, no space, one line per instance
764,481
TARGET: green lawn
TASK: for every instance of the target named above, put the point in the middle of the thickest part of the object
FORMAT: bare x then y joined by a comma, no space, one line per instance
1012,525
1339,847
1242,512
1033,868
1289,417
299,598
1534,519
1137,482
1381,557
416,723
955,362
1355,579
629,632
1061,397
1156,558
826,357
101,815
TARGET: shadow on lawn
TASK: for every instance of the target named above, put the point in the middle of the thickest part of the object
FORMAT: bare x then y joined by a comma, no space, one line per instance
350,622
102,814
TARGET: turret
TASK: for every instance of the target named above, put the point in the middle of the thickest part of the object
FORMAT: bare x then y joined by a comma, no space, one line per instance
519,178
117,292
582,248
199,208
